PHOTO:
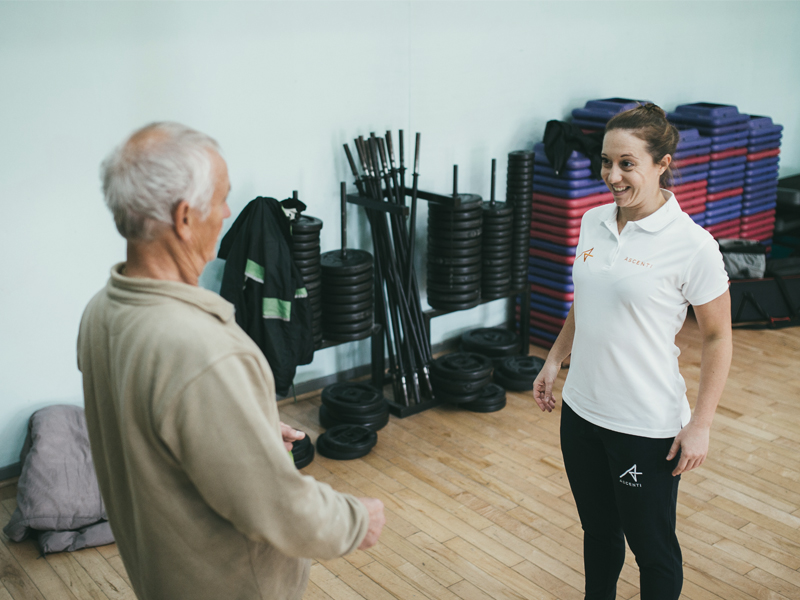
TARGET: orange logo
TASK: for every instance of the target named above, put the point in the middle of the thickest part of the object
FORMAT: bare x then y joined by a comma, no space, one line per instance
587,253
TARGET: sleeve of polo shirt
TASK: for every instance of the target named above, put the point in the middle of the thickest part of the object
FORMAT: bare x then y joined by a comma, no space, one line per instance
232,452
705,278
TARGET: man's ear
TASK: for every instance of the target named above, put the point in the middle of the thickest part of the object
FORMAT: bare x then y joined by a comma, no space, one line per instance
182,220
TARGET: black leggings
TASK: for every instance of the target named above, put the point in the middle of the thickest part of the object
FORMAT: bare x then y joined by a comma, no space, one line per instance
623,488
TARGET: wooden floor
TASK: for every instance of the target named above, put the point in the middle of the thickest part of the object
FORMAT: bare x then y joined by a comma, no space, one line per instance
478,506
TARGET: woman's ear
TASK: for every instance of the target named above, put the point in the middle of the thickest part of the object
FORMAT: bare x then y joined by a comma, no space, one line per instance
665,163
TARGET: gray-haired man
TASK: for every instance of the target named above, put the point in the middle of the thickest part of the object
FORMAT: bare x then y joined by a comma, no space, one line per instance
203,499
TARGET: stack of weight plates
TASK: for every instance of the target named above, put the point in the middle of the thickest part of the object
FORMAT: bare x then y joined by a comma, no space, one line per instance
494,342
519,187
354,403
517,373
492,399
761,180
559,202
458,378
346,442
498,223
302,452
454,254
727,129
690,172
306,253
347,282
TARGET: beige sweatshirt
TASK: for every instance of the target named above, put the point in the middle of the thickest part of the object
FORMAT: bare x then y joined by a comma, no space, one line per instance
202,496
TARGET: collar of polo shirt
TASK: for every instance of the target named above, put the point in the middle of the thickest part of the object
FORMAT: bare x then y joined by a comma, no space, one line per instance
667,213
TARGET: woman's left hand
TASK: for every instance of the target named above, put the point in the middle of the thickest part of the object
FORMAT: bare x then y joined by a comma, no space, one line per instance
289,435
692,441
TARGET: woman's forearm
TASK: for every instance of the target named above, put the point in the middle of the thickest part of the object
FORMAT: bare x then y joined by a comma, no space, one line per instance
715,363
562,347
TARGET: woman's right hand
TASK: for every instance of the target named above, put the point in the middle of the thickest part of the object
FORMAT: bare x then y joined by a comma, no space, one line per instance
543,386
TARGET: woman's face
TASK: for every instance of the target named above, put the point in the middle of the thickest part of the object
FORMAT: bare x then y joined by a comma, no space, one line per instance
629,170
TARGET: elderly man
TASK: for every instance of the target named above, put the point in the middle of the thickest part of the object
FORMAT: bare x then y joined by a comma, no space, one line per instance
192,461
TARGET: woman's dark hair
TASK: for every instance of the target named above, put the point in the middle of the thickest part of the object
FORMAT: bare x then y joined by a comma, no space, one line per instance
649,123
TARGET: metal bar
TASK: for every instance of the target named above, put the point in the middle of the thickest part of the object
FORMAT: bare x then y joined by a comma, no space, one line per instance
366,202
343,202
494,177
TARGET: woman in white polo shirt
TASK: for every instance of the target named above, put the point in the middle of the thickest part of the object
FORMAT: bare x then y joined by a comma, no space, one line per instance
627,431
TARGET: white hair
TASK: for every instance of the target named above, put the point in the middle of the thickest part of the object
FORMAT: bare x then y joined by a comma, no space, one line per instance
146,176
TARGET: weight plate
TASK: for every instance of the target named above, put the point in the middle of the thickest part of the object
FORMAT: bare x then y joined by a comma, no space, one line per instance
455,225
311,263
346,442
495,252
494,340
454,234
356,261
513,385
445,270
329,419
458,386
348,289
312,285
496,278
496,211
450,398
303,456
447,244
453,306
312,272
311,254
456,252
497,229
332,309
354,317
313,275
305,224
478,407
348,337
492,264
494,247
305,238
455,297
329,297
522,368
454,279
354,327
439,287
448,216
348,279
350,398
454,261
304,246
469,366
495,295
521,155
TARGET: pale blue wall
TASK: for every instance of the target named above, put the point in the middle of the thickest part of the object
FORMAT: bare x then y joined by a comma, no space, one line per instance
282,85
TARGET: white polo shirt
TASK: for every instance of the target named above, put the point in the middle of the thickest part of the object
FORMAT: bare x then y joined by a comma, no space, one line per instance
632,290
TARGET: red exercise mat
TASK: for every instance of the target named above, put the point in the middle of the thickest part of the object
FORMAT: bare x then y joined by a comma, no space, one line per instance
593,200
693,210
564,213
554,220
725,224
758,236
545,318
537,226
724,194
732,232
690,195
561,240
537,341
692,185
545,326
760,216
692,201
756,231
694,160
763,154
546,291
728,153
560,259
768,222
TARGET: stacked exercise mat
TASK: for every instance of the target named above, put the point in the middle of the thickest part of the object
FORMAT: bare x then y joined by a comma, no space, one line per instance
691,166
761,179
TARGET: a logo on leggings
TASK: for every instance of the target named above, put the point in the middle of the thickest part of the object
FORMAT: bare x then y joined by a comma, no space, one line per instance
634,475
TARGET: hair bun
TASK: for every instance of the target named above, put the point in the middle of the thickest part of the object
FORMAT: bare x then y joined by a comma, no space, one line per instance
652,108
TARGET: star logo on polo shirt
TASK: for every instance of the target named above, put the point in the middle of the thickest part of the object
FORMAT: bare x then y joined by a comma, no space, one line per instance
587,253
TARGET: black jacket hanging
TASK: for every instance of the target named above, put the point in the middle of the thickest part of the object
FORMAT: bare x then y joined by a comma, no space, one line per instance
560,139
267,289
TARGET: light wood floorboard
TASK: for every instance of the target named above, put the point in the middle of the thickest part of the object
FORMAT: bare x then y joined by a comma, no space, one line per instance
479,507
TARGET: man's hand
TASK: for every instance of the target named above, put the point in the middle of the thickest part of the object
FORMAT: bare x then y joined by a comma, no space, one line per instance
290,434
692,441
376,522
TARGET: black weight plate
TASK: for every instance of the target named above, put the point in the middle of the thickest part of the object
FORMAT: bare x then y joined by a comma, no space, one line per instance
305,238
448,216
522,155
513,385
491,394
493,340
312,272
458,386
521,367
460,297
455,225
519,184
457,252
312,275
453,279
498,229
351,398
495,295
305,224
453,261
356,261
301,446
448,244
454,234
301,462
453,270
331,309
477,407
329,297
311,263
348,289
348,337
346,442
499,224
496,211
497,250
439,288
453,306
353,327
496,264
312,285
496,278
456,398
328,419
348,279
354,317
462,365
304,246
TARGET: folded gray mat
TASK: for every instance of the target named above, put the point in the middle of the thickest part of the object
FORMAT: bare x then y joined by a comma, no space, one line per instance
58,498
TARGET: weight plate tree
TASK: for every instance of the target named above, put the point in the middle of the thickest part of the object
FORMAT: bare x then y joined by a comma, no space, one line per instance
346,290
519,194
498,223
306,254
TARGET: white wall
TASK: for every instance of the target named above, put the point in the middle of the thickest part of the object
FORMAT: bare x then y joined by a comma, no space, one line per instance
282,85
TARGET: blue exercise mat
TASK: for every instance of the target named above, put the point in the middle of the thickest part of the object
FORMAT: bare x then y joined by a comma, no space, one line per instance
544,300
539,263
760,125
758,208
542,334
576,160
762,147
554,248
542,169
760,177
552,284
711,114
680,177
587,124
699,218
761,188
740,136
760,199
719,184
550,310
728,162
724,204
692,169
726,172
764,162
728,146
536,275
569,184
714,219
691,152
764,139
600,188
